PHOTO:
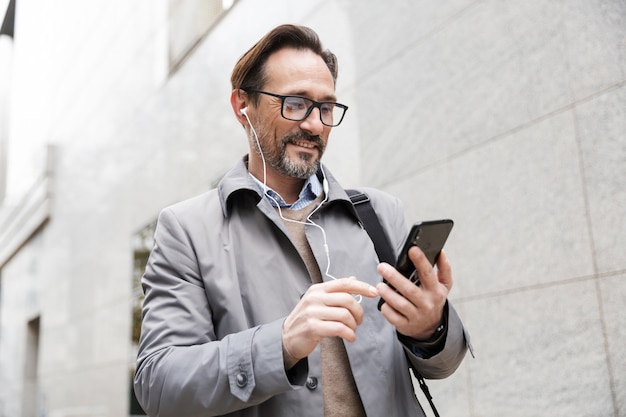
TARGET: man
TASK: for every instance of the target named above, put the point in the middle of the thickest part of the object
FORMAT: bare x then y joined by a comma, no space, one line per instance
261,295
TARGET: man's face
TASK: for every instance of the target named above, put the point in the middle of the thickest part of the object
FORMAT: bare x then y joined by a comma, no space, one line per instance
292,148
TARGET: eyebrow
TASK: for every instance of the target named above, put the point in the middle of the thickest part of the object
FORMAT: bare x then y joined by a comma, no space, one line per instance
330,98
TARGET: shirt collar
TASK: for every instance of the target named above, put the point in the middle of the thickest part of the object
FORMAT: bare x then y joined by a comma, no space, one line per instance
311,189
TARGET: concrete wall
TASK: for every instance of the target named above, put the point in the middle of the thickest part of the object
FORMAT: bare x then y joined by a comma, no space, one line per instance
508,117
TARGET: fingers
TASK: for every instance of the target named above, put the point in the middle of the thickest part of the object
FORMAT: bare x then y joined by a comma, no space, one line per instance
325,310
351,286
431,279
416,310
428,276
331,300
445,271
340,307
395,280
424,269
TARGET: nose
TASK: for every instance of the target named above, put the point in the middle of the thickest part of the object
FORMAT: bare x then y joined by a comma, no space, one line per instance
313,123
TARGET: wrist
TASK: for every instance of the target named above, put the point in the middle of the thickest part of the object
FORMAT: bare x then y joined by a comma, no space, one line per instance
434,336
288,359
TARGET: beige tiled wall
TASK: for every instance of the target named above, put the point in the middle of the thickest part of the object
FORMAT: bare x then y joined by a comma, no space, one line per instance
506,116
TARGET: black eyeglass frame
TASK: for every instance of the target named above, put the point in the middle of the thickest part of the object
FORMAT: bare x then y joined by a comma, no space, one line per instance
315,104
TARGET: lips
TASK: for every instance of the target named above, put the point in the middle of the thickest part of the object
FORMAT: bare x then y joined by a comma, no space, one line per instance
304,144
305,141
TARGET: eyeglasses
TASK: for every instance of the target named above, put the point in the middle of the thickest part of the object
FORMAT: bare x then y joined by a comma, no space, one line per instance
297,108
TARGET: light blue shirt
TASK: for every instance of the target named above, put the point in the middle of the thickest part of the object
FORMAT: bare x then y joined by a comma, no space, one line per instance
310,191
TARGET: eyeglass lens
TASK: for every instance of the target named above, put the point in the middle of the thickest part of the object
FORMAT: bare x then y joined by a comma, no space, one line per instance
299,108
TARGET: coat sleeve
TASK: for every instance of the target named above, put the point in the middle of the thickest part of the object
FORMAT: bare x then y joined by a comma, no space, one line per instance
182,369
448,359
457,341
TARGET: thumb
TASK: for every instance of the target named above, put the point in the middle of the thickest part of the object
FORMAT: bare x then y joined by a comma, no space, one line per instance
444,271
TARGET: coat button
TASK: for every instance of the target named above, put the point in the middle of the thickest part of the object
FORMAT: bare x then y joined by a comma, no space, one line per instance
241,379
311,383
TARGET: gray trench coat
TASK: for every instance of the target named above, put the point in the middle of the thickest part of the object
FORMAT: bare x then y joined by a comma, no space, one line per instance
219,282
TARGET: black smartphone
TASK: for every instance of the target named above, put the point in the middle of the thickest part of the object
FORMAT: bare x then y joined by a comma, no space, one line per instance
429,236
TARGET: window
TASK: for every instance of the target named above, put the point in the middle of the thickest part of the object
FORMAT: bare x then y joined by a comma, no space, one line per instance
188,22
8,21
7,30
142,244
30,394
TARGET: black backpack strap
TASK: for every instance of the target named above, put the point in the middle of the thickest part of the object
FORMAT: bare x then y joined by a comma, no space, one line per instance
371,223
374,229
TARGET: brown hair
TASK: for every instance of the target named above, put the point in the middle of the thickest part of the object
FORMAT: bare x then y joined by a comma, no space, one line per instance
249,72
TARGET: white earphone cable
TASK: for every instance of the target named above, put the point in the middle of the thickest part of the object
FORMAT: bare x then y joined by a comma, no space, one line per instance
280,213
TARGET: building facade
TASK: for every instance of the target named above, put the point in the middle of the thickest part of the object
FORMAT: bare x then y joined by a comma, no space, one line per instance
508,117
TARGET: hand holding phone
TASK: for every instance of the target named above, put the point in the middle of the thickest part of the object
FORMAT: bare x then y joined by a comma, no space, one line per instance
429,236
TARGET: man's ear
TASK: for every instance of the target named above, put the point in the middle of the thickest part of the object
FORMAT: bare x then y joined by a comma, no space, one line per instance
239,102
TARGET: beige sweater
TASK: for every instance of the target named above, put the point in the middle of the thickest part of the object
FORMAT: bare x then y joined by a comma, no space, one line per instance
341,397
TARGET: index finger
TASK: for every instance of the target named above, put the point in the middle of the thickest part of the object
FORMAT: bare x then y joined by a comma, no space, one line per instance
352,286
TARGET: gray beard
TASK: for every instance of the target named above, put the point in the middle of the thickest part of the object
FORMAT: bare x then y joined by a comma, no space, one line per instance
302,167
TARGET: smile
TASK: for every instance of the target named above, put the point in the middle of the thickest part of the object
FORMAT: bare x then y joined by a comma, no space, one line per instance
304,144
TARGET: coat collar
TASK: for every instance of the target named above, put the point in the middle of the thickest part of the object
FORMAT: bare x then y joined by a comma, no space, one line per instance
238,181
